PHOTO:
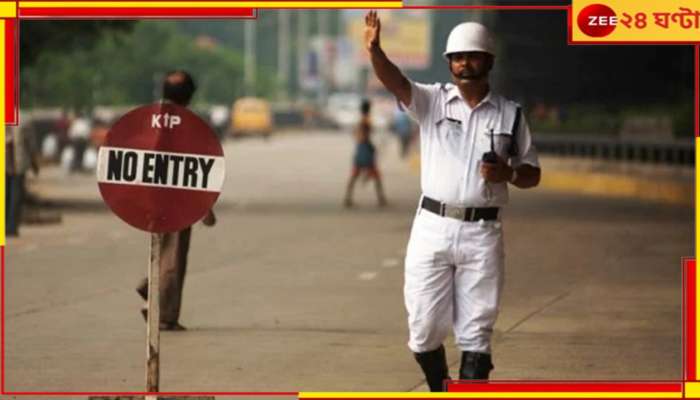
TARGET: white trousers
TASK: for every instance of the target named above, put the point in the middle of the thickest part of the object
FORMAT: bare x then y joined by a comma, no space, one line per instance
453,278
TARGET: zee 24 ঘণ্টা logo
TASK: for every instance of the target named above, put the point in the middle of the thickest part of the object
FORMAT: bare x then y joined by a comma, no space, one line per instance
600,20
597,20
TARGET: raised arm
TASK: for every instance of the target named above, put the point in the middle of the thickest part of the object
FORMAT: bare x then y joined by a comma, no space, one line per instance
388,73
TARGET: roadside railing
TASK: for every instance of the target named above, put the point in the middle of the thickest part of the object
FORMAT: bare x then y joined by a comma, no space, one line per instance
678,152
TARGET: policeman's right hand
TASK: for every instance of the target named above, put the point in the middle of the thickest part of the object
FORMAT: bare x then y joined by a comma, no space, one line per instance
496,172
372,28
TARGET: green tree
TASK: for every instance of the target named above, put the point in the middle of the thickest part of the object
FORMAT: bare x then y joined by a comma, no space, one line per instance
40,37
126,68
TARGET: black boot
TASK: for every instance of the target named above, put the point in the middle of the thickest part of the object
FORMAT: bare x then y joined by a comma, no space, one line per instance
434,366
475,366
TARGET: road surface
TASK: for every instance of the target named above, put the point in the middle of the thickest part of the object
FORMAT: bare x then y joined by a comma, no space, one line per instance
292,292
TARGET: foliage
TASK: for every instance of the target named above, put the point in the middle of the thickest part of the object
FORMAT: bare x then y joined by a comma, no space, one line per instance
684,121
579,119
596,119
41,37
126,68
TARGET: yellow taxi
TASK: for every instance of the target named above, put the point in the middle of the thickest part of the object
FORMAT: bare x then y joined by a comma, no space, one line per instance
251,116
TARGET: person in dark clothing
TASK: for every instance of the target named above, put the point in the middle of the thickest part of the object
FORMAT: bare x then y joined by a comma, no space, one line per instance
364,161
403,128
20,157
178,88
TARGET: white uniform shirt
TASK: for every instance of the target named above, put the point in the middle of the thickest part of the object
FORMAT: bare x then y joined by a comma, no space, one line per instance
454,137
79,129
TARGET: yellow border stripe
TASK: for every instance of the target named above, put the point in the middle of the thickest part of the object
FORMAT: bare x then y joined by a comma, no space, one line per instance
8,9
692,389
212,4
2,126
471,395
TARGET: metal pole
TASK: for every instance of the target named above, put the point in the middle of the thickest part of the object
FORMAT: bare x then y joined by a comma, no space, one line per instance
153,327
302,46
283,52
323,65
249,74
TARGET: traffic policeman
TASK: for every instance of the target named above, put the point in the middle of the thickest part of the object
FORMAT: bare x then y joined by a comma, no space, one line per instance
455,257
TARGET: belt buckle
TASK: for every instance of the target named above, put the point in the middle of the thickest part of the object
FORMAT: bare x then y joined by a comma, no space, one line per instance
471,214
455,212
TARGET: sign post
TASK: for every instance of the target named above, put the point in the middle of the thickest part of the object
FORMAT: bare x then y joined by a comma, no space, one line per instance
160,170
153,320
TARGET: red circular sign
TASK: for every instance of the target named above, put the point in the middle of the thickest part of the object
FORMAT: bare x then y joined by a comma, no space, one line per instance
597,20
161,168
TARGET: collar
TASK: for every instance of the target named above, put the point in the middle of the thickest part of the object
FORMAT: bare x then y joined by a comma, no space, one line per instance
454,93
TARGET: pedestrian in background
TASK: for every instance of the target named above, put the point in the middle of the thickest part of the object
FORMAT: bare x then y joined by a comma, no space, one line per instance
20,156
61,127
455,256
79,135
178,88
365,160
403,128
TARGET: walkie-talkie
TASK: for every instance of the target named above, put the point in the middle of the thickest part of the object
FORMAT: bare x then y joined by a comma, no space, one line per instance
490,156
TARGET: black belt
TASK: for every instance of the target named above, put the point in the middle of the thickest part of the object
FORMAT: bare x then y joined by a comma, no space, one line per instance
469,214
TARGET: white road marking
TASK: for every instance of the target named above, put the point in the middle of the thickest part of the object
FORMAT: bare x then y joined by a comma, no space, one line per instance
390,263
367,276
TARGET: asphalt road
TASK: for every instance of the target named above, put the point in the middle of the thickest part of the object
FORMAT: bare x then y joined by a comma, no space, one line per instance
291,292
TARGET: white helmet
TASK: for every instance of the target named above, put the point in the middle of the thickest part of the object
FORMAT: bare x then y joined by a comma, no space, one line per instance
469,36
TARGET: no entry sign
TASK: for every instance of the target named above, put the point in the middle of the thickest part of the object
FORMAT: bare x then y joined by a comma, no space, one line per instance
161,168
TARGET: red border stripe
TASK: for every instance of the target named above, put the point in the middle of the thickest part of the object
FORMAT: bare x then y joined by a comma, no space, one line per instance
565,387
569,28
505,8
136,12
11,71
690,328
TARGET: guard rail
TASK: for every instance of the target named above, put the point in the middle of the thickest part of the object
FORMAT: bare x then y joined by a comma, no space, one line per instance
676,152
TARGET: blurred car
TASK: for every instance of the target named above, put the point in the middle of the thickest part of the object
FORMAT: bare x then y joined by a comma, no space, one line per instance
251,116
343,110
219,118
